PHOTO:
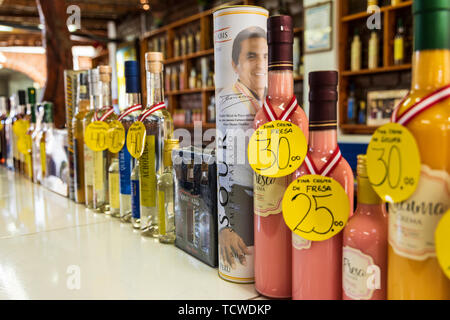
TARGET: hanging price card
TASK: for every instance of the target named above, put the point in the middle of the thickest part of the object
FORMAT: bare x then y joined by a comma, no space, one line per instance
277,149
95,135
315,207
442,239
115,139
135,139
393,163
24,144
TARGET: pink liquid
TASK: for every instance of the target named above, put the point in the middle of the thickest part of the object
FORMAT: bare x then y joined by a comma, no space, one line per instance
367,232
272,236
317,271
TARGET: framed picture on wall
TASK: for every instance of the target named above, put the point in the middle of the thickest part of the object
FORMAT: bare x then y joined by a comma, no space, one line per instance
381,104
318,27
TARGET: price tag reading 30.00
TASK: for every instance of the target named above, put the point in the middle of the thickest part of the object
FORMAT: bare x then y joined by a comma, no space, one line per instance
277,149
95,135
116,136
393,163
135,139
315,207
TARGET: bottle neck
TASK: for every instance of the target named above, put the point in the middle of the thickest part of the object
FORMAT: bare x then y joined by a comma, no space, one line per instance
133,99
105,94
280,87
323,140
155,91
431,69
365,192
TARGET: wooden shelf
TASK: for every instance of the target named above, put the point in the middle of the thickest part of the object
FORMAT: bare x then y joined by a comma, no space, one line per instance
189,91
300,29
362,15
299,78
190,56
377,70
357,128
205,125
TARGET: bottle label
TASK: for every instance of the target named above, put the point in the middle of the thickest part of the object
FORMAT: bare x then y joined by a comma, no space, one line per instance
268,194
114,190
300,243
162,213
135,204
412,223
99,166
358,281
147,173
398,49
125,171
88,166
43,159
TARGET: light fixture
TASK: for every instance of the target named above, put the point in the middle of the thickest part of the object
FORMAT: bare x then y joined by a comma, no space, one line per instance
5,28
41,26
146,7
72,27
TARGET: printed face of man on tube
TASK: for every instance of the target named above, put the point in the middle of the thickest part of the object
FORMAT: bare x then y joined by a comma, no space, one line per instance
250,54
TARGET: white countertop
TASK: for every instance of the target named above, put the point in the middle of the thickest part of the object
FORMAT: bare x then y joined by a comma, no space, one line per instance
49,245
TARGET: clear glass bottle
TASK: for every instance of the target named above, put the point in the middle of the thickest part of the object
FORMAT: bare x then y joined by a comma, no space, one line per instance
135,198
113,188
37,170
88,153
166,209
3,117
133,99
102,159
159,127
31,106
21,115
47,129
81,109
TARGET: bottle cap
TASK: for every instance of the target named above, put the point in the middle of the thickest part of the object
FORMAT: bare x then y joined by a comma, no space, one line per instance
131,76
280,37
323,98
31,95
154,62
361,166
431,24
22,97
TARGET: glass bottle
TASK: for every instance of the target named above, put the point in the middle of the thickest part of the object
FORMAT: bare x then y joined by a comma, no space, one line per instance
133,99
190,42
356,52
365,244
351,105
166,209
21,115
183,44
47,129
135,198
273,250
198,46
3,117
93,76
159,128
102,159
10,135
399,44
81,109
31,113
413,269
373,50
37,170
113,188
317,265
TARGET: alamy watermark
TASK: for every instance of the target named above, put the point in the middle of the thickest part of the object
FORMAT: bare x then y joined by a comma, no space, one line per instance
73,281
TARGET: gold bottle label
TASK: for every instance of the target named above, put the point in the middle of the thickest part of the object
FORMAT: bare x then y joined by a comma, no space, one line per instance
43,159
398,49
268,194
88,166
162,213
148,173
114,190
412,223
99,166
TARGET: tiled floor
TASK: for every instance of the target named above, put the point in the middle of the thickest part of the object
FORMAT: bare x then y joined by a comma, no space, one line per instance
51,248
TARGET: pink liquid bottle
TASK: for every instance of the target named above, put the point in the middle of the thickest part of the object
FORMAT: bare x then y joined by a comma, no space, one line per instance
317,265
365,244
272,237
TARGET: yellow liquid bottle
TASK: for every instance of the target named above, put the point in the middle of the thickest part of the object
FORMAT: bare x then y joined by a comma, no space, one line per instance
413,270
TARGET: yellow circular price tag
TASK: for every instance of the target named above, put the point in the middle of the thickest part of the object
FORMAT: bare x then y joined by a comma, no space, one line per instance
315,207
115,139
277,149
393,163
95,135
442,239
136,139
24,144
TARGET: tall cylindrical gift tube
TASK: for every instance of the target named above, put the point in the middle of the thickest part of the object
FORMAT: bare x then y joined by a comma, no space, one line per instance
240,52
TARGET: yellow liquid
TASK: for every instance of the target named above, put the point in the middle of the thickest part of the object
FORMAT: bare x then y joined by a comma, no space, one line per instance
407,278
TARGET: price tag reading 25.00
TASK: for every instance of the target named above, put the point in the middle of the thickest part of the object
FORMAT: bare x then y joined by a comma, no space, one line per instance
315,207
277,149
393,163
